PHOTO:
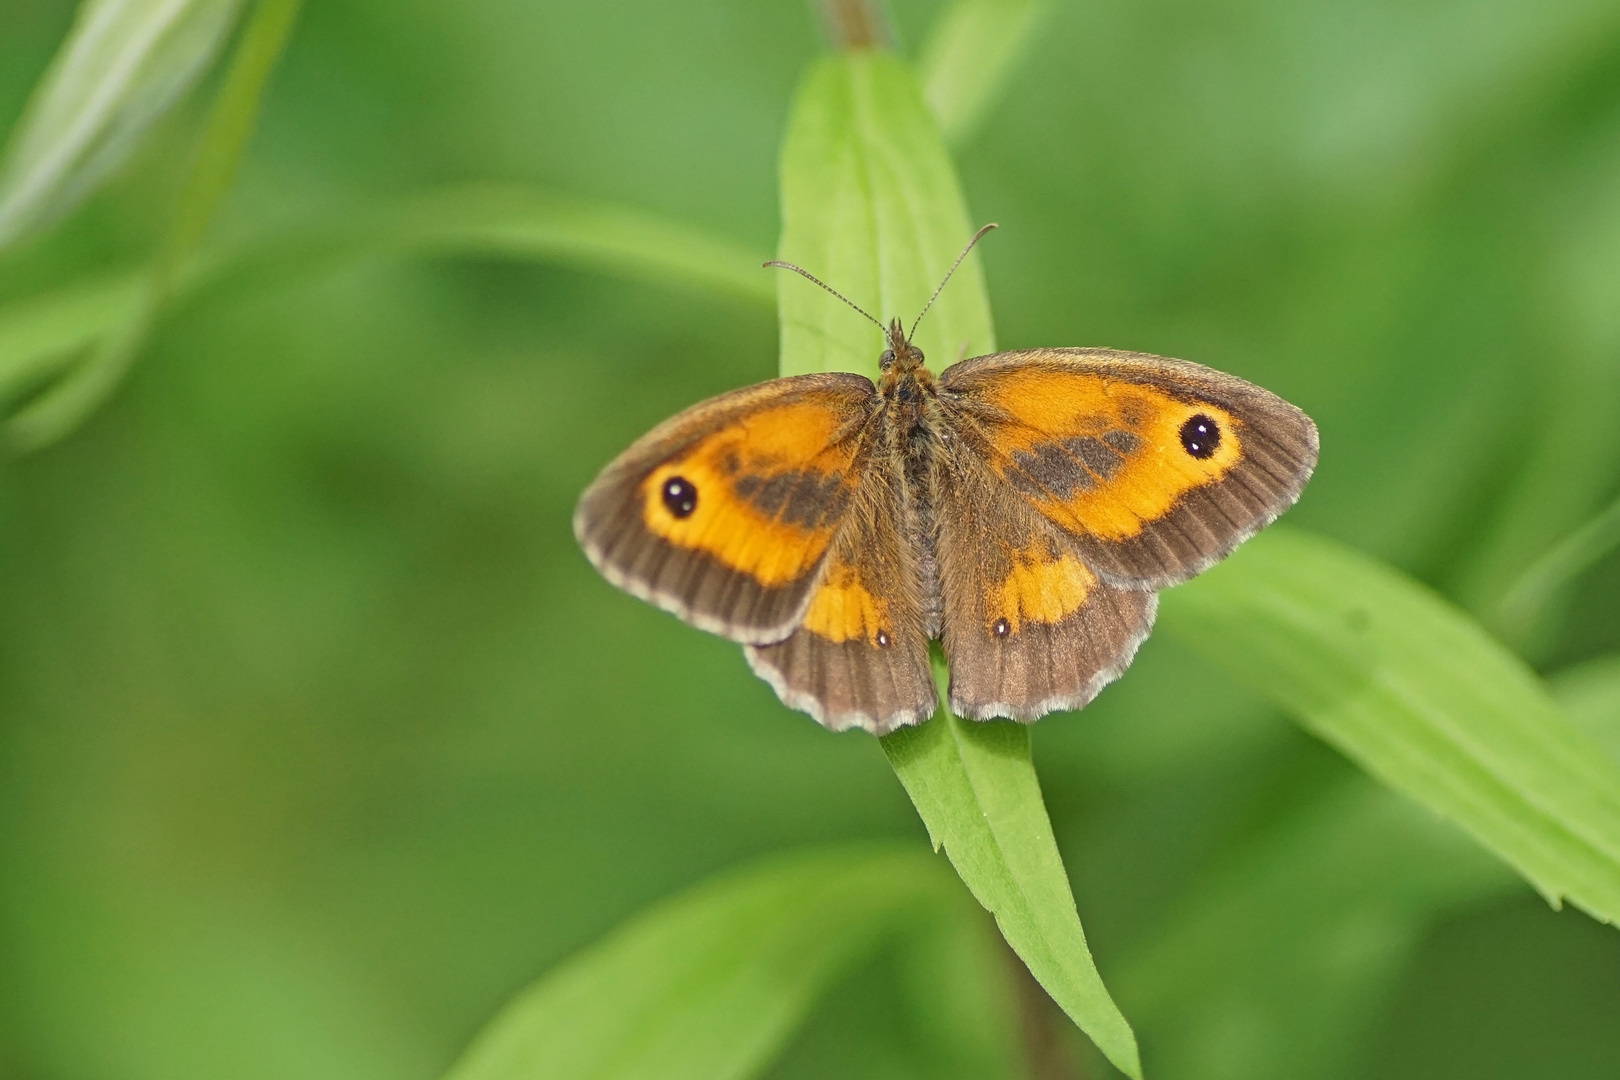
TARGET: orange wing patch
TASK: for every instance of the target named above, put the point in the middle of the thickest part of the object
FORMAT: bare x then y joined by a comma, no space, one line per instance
763,495
1042,586
844,610
1104,456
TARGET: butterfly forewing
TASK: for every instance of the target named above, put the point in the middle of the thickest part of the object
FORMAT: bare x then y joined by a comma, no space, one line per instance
1155,468
725,513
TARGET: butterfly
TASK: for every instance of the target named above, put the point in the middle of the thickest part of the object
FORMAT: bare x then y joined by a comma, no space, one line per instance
1021,508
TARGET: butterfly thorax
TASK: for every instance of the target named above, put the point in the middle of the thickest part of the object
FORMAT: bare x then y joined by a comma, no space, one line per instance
911,429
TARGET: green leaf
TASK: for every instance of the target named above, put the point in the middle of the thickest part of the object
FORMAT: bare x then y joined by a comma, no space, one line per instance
709,985
123,64
1420,696
230,123
871,205
1340,891
973,50
975,786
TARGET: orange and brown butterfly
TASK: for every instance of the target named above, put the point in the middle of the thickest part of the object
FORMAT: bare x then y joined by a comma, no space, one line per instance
1022,508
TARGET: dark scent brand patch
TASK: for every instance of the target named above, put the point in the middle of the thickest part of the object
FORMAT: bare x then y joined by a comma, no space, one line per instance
1201,436
1048,469
1063,468
680,496
1135,411
1095,454
802,499
1121,440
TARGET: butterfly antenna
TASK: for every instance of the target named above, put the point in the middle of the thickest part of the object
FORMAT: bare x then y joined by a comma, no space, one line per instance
948,274
801,270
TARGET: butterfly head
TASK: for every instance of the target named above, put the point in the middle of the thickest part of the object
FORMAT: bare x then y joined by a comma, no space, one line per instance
901,355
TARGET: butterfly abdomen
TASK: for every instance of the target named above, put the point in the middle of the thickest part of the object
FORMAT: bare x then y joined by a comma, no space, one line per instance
913,433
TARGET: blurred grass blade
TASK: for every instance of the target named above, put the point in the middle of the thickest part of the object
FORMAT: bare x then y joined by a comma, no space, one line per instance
42,335
515,221
975,786
957,983
1569,466
709,985
972,52
1340,893
1590,696
230,124
1419,695
123,63
871,205
1527,599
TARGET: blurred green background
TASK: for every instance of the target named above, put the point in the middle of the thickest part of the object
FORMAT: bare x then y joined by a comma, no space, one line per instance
319,738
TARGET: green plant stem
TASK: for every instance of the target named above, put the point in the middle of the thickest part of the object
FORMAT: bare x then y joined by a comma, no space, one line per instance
854,24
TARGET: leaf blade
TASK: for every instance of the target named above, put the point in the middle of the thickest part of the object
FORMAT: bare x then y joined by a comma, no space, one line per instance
709,984
871,205
1421,697
974,785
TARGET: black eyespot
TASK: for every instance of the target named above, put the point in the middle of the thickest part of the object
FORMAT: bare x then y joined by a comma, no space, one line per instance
1200,435
883,639
680,496
1001,629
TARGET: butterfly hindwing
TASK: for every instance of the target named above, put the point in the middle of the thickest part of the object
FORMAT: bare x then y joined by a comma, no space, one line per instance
1155,468
1028,627
859,657
725,513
